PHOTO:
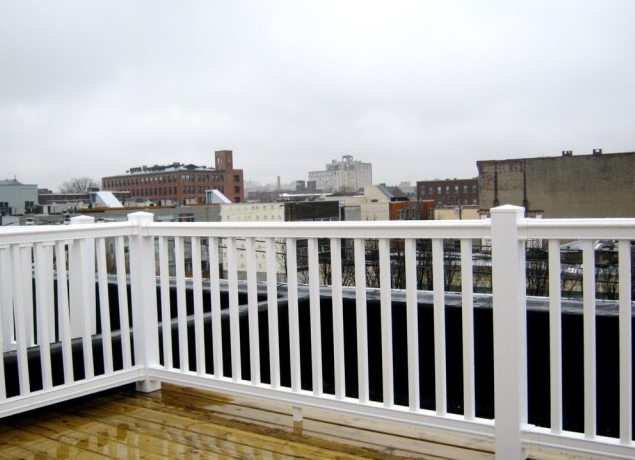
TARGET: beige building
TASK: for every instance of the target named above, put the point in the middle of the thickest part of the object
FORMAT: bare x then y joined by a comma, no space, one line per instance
596,185
374,204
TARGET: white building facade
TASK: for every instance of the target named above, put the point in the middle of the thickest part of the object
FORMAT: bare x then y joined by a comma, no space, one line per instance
345,175
253,212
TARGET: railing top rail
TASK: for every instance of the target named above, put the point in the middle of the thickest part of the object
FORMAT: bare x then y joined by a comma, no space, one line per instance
595,229
330,229
46,233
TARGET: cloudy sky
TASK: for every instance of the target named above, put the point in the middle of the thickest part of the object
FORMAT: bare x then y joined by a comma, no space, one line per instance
422,89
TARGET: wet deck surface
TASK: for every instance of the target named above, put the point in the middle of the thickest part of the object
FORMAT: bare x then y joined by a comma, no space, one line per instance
179,422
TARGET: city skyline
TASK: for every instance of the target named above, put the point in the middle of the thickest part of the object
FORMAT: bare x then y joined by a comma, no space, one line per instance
420,89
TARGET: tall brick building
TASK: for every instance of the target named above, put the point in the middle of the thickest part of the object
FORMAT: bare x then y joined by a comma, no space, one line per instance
179,183
597,185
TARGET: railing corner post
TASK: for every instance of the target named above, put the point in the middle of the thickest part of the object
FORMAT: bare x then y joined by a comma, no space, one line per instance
145,322
510,332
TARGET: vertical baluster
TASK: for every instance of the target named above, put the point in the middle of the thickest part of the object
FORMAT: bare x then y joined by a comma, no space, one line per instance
104,303
82,281
588,289
166,315
84,265
252,306
361,320
412,315
19,309
63,313
626,337
181,305
385,287
215,300
294,320
122,295
316,329
197,286
26,265
338,318
272,311
234,317
438,281
49,274
44,295
467,315
555,335
6,299
6,312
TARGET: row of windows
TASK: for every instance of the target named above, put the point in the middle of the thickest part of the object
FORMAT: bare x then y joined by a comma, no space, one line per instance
448,189
167,191
143,180
255,217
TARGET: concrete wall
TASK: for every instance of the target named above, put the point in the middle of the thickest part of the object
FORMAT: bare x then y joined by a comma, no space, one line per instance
601,185
456,214
16,194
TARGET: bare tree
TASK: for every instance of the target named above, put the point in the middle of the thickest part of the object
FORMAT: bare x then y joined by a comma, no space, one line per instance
78,185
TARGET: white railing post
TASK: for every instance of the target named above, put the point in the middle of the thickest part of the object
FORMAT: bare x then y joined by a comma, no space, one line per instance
510,332
143,286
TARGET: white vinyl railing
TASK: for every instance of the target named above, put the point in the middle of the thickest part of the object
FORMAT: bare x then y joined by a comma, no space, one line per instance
297,312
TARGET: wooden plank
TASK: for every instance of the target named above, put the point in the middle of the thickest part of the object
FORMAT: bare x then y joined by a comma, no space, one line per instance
99,438
12,452
172,438
42,447
205,434
195,399
385,438
179,422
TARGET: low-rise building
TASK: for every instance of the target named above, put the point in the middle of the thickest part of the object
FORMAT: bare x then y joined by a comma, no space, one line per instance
378,202
272,212
17,198
449,193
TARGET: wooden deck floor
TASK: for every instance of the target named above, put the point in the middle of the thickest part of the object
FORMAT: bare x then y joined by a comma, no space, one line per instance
179,422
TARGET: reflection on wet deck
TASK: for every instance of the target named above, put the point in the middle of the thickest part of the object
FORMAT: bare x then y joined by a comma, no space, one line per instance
179,422
185,423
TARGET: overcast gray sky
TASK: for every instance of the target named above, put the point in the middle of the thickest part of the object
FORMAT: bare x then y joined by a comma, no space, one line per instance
421,89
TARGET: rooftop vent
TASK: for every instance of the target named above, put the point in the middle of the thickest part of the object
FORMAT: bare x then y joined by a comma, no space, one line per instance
567,153
597,151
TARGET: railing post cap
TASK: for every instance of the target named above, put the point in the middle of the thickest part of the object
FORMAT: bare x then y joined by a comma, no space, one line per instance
141,216
82,220
508,209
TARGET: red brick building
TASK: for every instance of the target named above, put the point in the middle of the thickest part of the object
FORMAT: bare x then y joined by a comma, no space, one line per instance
449,192
178,183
